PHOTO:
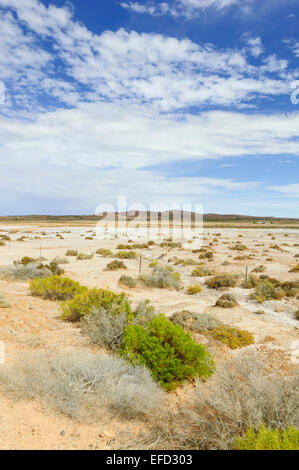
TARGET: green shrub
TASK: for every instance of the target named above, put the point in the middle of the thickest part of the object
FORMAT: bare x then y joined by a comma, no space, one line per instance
232,337
55,288
71,253
115,266
127,281
226,301
170,353
269,439
222,280
163,278
104,252
126,255
94,299
202,271
194,289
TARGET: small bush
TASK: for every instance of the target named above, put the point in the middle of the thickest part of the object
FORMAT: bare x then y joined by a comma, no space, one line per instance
194,321
202,271
163,278
79,384
194,289
94,299
104,252
2,243
3,303
126,255
267,291
55,288
106,328
226,301
239,247
232,337
83,256
295,269
170,244
71,253
127,281
268,439
259,269
115,266
170,354
207,255
222,280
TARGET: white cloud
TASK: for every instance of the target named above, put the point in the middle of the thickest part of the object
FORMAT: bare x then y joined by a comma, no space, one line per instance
187,8
98,151
255,46
129,67
287,190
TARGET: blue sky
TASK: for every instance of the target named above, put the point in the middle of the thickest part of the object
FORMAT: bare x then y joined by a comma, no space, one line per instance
174,102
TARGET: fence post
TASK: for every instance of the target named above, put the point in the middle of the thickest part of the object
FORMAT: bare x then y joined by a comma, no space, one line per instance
246,276
140,264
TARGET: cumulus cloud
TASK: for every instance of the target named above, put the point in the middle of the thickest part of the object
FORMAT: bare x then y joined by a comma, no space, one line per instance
163,72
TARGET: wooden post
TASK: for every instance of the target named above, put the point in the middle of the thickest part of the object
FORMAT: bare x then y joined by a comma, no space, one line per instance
40,251
140,264
246,276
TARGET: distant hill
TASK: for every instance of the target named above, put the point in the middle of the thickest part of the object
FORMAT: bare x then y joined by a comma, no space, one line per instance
131,215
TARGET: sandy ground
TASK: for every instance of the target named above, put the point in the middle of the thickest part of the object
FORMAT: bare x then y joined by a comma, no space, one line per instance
32,323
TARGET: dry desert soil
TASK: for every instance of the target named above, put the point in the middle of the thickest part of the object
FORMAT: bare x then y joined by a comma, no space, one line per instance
32,323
